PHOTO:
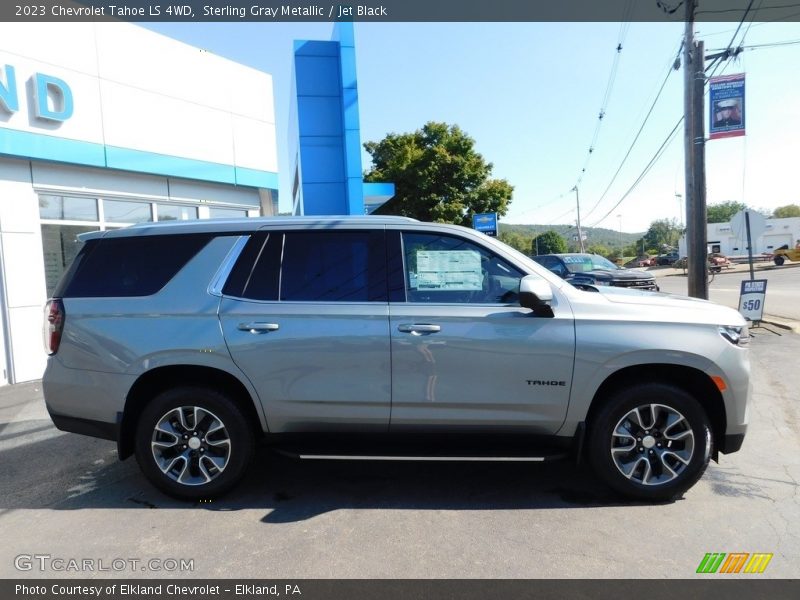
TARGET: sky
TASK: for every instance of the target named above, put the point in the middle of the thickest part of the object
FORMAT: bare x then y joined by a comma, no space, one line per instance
529,94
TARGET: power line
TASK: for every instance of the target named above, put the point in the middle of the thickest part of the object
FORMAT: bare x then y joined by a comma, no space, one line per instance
623,34
770,45
731,10
639,133
644,172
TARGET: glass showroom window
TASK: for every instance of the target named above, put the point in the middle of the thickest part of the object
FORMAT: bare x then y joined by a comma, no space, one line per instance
123,211
227,213
63,218
173,212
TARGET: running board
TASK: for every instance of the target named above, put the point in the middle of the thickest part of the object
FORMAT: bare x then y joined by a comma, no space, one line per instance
431,458
426,458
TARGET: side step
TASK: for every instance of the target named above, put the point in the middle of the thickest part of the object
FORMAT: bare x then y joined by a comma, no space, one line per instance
430,458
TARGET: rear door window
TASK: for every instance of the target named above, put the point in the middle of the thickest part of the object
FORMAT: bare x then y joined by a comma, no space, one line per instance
334,266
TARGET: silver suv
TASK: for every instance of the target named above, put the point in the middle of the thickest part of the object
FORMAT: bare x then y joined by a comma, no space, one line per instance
381,337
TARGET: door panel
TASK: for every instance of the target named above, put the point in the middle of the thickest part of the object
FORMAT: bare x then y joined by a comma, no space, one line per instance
465,355
490,367
309,326
316,366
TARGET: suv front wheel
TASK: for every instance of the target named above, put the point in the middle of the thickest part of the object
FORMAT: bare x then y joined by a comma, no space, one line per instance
193,443
650,442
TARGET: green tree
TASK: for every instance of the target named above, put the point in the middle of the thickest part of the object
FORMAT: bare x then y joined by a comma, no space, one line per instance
438,175
516,240
599,249
549,242
662,232
722,212
783,212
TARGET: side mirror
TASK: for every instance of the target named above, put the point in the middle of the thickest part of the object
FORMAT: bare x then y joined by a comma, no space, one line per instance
536,294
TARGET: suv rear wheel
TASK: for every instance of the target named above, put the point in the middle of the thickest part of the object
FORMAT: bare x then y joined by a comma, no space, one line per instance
650,442
193,443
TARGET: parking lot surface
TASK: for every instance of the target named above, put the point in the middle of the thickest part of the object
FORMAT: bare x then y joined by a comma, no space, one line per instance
67,496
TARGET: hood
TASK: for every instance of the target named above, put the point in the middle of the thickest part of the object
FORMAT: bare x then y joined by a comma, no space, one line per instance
683,308
617,275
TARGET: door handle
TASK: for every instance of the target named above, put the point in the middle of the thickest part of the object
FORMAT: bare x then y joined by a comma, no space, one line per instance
258,327
418,328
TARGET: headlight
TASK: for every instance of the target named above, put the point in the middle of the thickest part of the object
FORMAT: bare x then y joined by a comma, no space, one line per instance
738,335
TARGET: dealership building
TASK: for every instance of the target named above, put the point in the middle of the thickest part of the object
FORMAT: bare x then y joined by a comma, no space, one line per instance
103,125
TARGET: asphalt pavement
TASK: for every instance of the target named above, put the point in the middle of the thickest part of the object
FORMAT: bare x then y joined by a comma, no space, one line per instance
66,496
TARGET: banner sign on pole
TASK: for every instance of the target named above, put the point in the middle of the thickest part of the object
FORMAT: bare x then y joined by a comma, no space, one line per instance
751,299
485,223
726,104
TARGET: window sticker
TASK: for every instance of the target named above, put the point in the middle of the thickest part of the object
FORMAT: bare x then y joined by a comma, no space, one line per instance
452,270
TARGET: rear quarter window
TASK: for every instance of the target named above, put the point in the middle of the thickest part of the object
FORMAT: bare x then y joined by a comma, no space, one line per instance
134,266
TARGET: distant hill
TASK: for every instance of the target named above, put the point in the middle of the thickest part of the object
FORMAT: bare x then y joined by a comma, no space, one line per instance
595,235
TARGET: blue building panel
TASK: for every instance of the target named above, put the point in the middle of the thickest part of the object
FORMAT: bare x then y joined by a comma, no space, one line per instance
319,116
355,196
255,178
352,143
47,147
317,75
322,162
325,199
348,65
350,108
161,164
315,48
329,160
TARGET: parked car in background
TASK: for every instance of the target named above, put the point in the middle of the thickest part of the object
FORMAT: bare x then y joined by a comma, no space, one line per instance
648,261
593,269
667,259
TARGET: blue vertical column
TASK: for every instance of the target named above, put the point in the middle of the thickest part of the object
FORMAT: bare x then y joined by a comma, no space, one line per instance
320,127
343,33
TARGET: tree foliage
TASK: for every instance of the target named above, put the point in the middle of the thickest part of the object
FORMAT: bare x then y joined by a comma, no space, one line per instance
662,232
516,240
549,242
438,175
722,212
599,249
783,212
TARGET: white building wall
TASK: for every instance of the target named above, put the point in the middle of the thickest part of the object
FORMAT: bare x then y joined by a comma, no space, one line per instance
22,272
138,90
169,122
778,232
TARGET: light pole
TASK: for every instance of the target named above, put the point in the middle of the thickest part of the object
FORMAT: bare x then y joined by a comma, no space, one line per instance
620,234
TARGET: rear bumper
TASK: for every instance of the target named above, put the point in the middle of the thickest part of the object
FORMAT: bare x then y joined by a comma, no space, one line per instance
98,429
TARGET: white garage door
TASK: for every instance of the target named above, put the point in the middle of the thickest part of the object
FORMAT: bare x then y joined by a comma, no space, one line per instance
775,241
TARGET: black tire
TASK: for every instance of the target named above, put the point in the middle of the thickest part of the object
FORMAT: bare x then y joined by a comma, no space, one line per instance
215,408
647,450
779,260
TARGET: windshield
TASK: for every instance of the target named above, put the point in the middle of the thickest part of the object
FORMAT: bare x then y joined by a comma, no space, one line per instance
582,263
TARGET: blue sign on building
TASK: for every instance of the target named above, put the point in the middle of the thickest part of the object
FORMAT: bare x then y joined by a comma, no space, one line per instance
485,223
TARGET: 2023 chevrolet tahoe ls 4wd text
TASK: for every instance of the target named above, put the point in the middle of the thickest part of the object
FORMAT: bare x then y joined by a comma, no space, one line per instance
188,342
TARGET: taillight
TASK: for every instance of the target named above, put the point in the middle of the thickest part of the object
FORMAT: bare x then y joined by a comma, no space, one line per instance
53,324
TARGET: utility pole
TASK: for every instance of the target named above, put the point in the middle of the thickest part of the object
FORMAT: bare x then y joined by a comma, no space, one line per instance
694,146
580,231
